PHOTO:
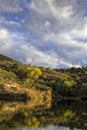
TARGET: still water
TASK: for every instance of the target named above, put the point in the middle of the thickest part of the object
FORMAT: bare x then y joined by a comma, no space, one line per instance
55,116
48,128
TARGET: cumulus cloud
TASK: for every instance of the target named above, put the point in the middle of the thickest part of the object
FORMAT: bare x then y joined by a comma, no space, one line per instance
46,33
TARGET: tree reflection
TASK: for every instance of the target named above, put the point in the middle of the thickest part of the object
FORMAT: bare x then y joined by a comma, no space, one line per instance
18,114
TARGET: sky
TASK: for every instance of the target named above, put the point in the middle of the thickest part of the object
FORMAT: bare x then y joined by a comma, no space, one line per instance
49,33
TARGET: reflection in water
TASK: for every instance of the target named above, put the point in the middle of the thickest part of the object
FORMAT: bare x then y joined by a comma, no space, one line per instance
47,128
23,116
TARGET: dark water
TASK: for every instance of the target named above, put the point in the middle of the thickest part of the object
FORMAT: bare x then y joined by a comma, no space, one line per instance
69,115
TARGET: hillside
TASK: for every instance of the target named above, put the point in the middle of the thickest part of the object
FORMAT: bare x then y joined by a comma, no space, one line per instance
5,58
64,84
14,84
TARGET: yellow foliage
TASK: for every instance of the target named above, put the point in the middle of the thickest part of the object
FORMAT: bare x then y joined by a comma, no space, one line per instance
68,113
32,122
33,73
69,83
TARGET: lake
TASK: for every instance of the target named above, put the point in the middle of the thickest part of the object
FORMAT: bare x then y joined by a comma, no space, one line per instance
63,115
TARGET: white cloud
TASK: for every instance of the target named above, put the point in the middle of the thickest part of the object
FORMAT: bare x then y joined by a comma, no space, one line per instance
22,51
81,31
54,8
5,40
37,57
51,32
65,11
10,5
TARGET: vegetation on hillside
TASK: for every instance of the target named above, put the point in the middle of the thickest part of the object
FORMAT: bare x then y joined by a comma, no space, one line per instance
64,82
